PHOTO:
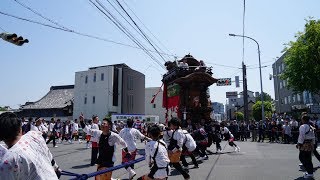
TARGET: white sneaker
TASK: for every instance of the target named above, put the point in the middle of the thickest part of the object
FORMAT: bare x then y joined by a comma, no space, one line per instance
238,148
132,174
202,158
55,146
308,176
235,149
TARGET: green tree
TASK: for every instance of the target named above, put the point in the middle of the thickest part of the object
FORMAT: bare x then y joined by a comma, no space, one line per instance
302,59
266,97
256,109
239,115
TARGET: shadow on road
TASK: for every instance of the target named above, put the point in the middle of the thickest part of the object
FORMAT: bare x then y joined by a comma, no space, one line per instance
81,166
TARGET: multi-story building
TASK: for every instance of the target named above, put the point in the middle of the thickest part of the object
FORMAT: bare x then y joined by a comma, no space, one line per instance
105,90
285,99
218,111
236,103
154,108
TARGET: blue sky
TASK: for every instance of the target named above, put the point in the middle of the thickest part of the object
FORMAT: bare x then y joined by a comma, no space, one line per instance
198,27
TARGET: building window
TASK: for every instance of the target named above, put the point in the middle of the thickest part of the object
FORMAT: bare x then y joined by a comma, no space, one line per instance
298,97
289,99
95,77
280,84
284,83
154,105
282,64
85,100
279,69
93,99
86,79
293,98
130,83
102,76
285,100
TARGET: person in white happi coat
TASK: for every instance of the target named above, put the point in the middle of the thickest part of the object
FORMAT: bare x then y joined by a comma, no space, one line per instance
27,156
94,141
306,141
156,156
75,131
130,135
38,126
107,146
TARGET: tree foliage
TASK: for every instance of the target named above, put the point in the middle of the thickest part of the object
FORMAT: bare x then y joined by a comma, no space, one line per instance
302,59
266,97
256,109
239,116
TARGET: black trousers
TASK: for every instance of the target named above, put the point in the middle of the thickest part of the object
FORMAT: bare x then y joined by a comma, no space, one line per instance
184,162
261,136
179,168
306,160
53,139
94,155
315,152
286,139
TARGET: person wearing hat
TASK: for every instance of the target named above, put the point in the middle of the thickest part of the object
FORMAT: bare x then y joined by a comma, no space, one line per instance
38,126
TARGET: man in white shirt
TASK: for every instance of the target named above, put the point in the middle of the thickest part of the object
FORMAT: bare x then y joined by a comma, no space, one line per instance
287,132
107,141
130,135
38,126
175,146
75,131
157,155
27,156
305,144
94,140
52,133
184,65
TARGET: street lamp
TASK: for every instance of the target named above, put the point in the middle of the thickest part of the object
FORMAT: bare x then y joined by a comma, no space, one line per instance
262,105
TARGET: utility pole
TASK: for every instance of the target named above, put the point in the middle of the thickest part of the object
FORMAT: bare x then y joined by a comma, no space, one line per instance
245,92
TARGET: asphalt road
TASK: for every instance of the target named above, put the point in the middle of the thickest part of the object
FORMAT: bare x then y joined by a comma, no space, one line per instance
256,161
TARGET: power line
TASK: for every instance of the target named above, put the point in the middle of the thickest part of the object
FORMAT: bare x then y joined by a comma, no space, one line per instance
2,29
146,27
146,37
39,14
120,26
223,65
75,32
135,28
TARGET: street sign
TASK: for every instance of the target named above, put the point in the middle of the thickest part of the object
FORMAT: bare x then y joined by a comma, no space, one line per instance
232,94
315,109
237,81
224,82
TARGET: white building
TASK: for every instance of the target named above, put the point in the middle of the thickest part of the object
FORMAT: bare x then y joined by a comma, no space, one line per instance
156,107
105,90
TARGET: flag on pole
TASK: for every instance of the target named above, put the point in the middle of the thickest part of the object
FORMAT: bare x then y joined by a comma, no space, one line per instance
154,96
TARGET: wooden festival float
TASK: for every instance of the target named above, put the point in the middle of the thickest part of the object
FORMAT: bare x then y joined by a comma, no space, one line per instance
186,90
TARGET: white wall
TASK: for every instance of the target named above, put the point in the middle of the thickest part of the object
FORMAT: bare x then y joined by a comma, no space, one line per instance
102,90
149,108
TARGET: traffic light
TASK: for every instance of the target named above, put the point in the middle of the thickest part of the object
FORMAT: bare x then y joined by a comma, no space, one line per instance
224,82
14,39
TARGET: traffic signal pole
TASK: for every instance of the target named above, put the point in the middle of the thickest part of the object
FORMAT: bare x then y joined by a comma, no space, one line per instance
245,92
